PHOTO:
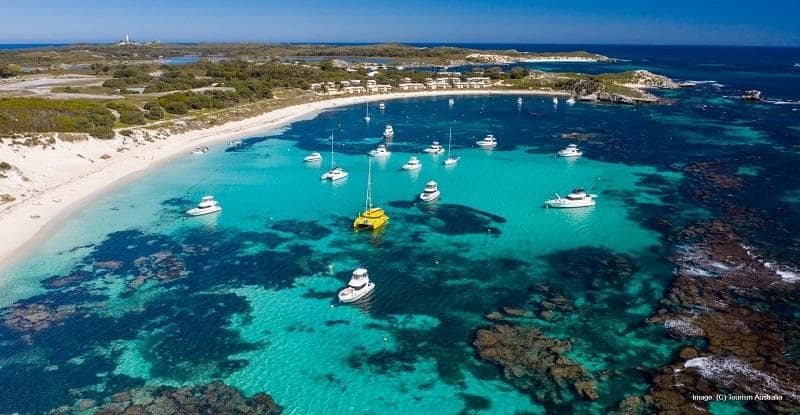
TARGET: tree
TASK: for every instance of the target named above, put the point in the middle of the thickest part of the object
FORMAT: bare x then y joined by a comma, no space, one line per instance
518,72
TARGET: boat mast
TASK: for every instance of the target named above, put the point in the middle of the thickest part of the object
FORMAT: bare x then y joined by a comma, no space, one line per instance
450,141
368,202
332,151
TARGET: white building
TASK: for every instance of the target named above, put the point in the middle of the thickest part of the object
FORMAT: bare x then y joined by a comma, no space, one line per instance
354,89
379,88
411,86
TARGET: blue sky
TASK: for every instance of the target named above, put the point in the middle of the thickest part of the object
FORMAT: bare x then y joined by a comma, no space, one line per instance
733,22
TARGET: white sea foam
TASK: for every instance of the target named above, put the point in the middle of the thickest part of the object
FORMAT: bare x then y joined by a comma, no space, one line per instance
782,102
732,371
684,326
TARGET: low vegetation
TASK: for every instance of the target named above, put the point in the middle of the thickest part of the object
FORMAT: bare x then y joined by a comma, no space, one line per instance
21,115
129,113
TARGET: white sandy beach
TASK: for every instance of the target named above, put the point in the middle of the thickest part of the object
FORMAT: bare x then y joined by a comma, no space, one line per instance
64,179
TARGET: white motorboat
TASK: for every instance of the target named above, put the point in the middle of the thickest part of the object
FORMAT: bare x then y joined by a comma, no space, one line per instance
571,101
381,151
575,199
412,164
315,156
435,148
381,106
207,205
358,287
335,173
488,142
431,192
388,132
235,144
519,100
199,150
555,100
451,102
451,159
572,150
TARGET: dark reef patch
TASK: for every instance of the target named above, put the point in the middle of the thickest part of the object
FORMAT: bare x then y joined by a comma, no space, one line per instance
190,335
211,398
301,229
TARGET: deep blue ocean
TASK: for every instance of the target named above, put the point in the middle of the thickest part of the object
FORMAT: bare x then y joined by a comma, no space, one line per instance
130,292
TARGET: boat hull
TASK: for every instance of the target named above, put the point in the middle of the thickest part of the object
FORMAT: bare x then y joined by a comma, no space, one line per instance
349,295
371,219
565,204
409,167
201,212
429,197
334,177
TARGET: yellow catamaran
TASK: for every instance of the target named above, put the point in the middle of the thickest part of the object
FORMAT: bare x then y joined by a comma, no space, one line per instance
372,217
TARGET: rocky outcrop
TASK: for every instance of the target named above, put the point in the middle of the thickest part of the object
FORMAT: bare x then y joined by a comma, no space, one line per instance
646,79
722,293
535,363
212,398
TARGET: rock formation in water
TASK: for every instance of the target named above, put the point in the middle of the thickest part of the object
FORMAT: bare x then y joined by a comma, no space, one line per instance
211,398
535,363
727,295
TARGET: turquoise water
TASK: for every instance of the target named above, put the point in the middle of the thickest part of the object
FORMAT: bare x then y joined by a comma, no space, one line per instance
247,296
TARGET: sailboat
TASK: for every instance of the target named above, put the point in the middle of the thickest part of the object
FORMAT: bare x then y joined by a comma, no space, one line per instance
335,173
451,159
372,217
367,117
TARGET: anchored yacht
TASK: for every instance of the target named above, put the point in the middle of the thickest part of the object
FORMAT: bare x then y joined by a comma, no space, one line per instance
315,156
207,205
435,148
372,217
451,159
575,199
358,287
572,150
388,132
381,151
412,164
488,142
431,192
335,173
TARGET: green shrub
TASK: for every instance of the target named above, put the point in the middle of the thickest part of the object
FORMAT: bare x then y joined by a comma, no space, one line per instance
128,113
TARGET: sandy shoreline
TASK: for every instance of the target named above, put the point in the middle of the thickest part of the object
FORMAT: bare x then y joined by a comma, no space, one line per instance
74,186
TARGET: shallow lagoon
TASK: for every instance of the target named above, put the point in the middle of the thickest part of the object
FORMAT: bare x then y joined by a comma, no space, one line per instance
248,295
